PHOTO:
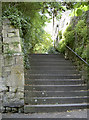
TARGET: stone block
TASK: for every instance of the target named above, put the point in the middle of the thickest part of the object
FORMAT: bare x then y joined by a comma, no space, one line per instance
10,32
5,27
10,95
11,40
15,48
6,22
0,69
19,60
13,89
11,35
5,48
17,69
9,61
4,33
15,81
20,95
6,68
3,88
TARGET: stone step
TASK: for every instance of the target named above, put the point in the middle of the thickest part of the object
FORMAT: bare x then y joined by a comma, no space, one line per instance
54,87
27,72
55,100
52,76
53,84
52,68
56,93
53,81
43,54
54,108
47,57
48,60
63,62
50,63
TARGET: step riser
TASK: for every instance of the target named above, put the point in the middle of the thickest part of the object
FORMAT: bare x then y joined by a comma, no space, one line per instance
28,109
46,56
48,60
33,62
52,77
29,82
51,72
48,66
55,101
52,68
55,94
51,64
54,88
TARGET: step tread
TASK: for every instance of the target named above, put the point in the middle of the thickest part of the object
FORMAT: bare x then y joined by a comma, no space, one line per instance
58,97
54,74
59,85
57,80
58,105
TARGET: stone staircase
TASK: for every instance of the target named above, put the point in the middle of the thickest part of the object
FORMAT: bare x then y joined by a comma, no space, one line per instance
52,84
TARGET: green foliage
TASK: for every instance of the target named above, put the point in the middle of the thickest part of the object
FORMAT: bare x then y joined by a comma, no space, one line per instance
52,50
61,46
81,30
44,45
69,36
79,12
76,37
60,35
30,18
79,50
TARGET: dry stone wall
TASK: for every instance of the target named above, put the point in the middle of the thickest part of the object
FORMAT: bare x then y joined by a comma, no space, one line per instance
11,69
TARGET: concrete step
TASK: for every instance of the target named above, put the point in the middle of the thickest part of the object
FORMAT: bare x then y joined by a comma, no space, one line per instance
54,108
52,76
47,60
51,63
53,81
55,100
55,66
27,72
46,55
52,68
54,87
52,84
56,93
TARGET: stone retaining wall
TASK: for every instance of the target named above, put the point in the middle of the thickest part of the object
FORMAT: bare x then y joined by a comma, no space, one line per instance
12,69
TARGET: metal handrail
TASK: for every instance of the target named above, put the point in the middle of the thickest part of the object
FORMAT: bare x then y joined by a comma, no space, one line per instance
77,55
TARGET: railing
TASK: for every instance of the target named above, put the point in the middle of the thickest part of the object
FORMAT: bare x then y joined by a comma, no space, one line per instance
80,63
